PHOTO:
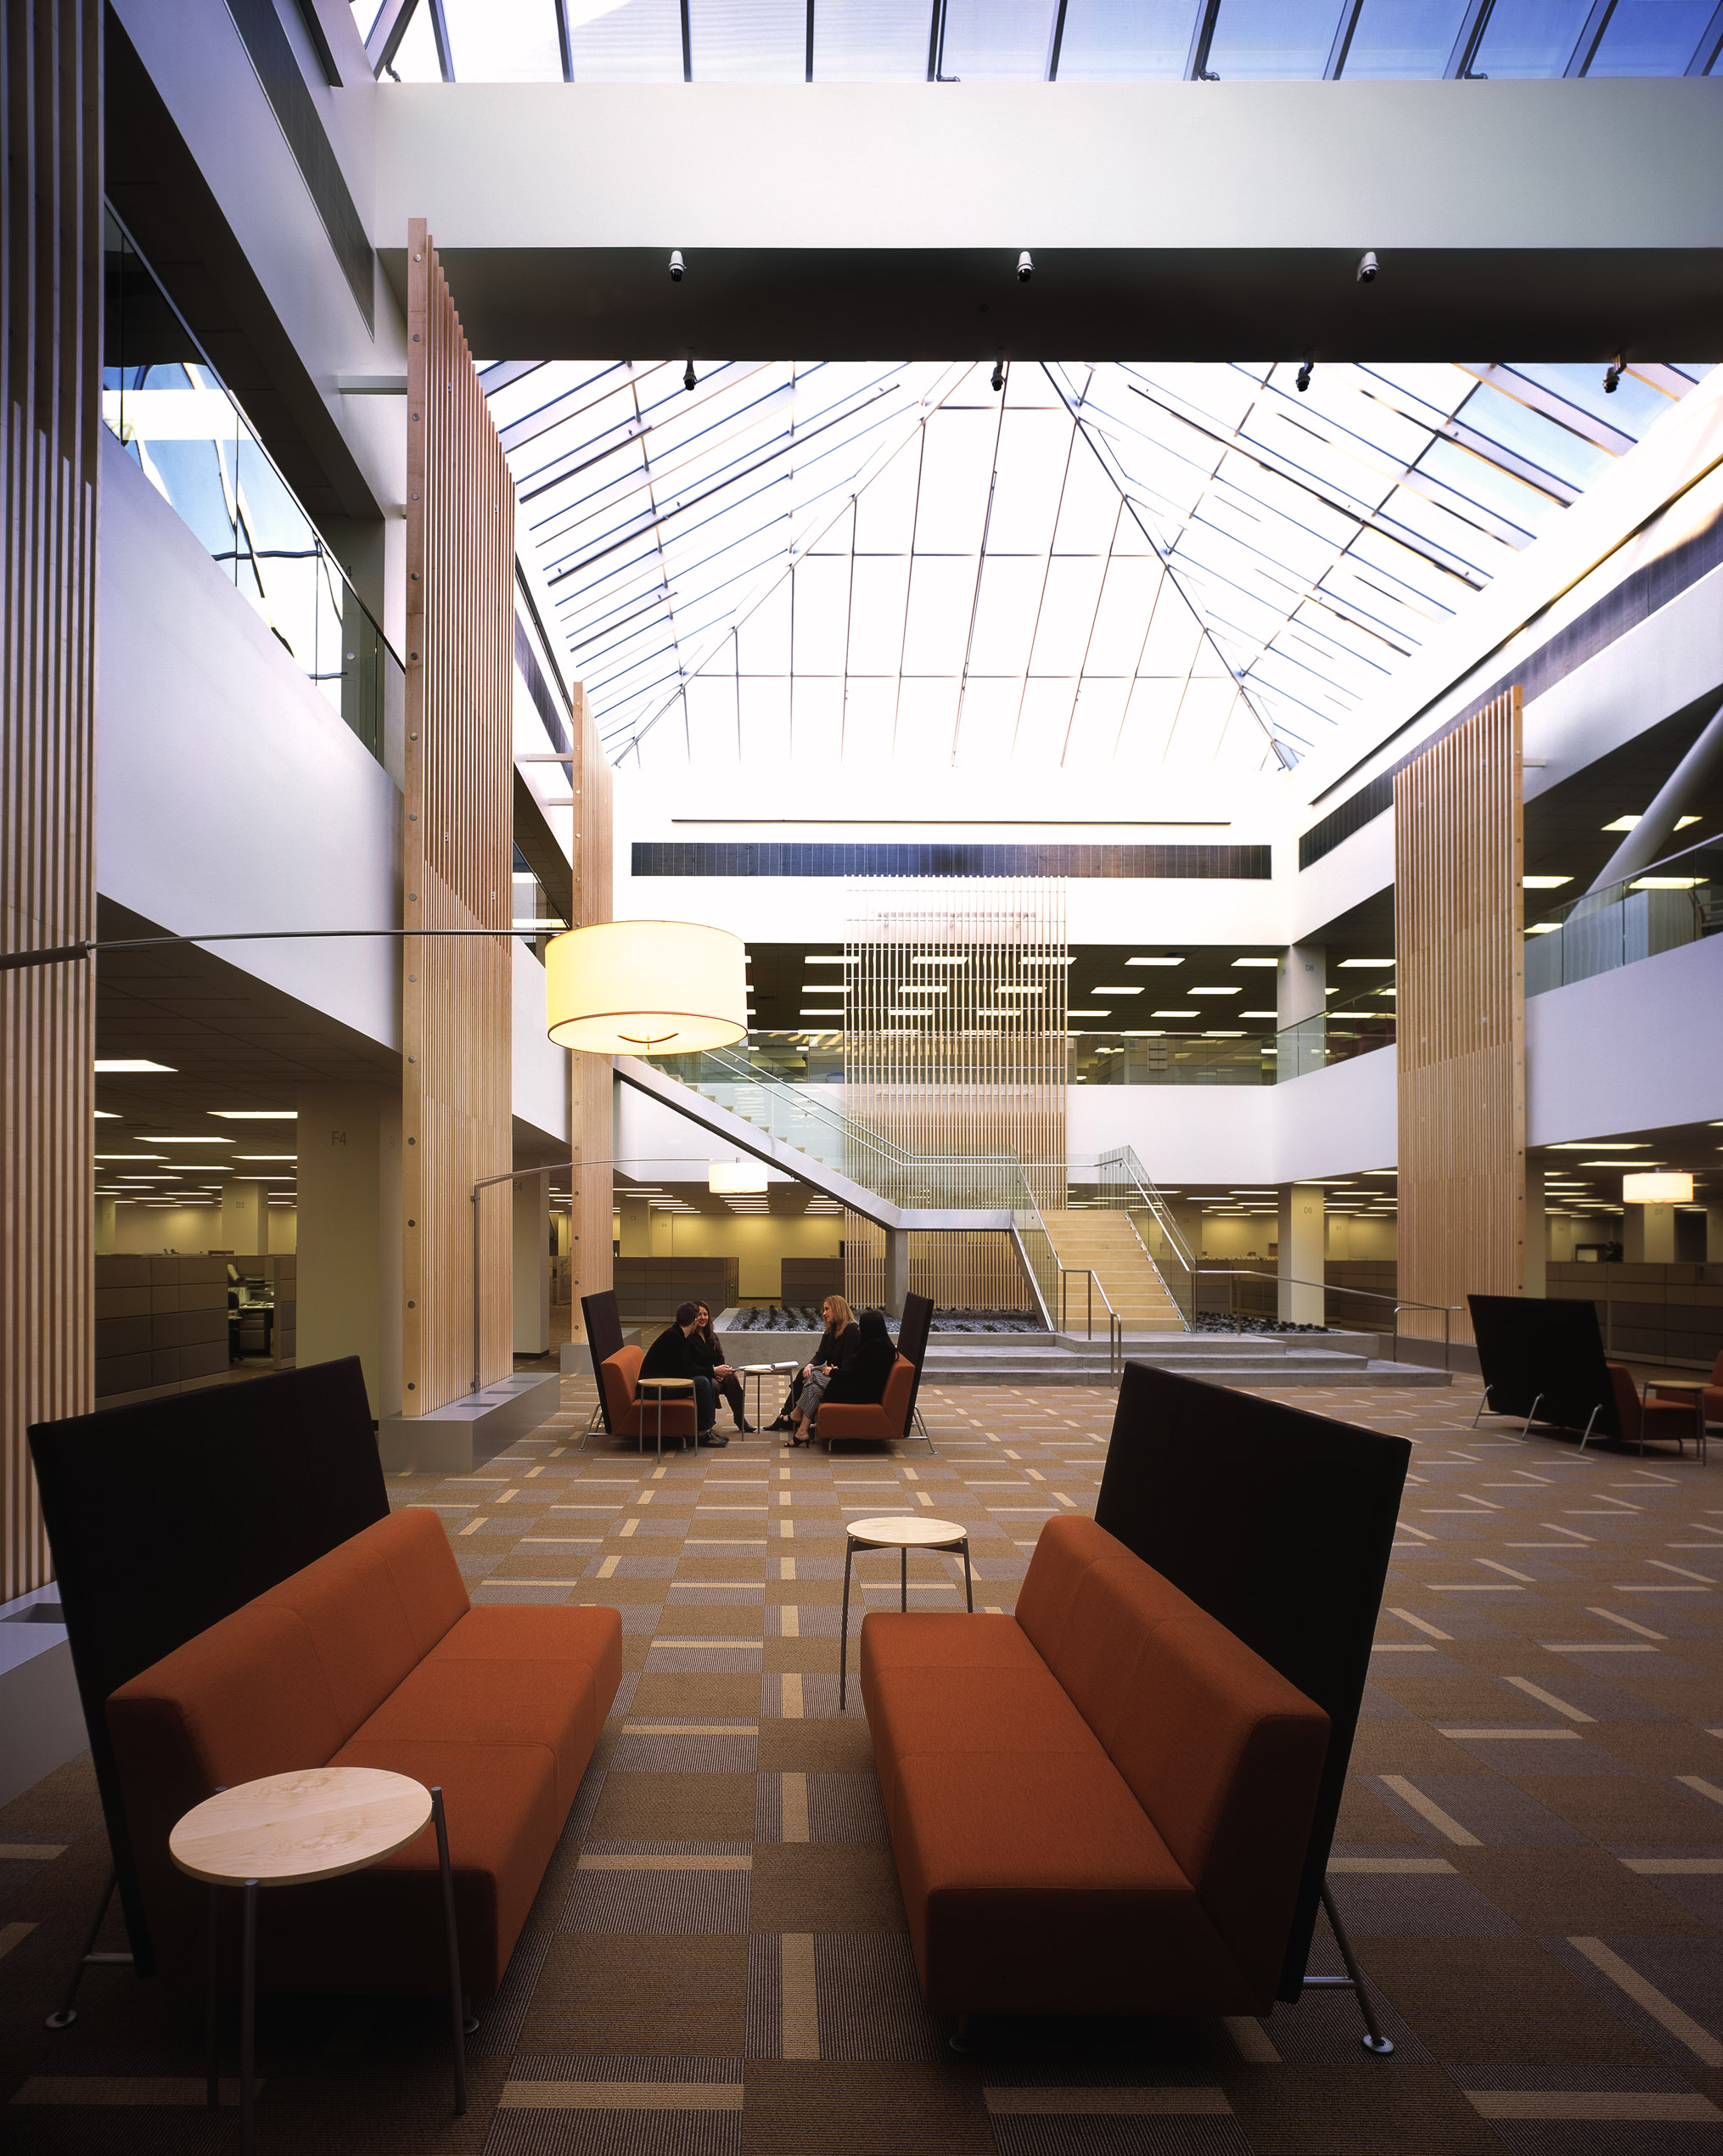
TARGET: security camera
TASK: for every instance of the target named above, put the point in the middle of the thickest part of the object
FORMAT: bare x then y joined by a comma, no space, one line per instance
999,373
1025,268
1304,377
690,379
1368,267
1612,379
677,265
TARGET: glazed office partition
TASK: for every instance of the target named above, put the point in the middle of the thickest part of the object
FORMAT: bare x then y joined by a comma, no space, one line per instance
1278,1523
168,1515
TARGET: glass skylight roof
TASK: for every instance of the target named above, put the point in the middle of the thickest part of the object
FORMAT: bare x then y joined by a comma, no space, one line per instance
1007,40
1145,565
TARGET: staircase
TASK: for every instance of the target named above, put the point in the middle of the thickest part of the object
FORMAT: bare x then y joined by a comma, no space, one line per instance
1105,1242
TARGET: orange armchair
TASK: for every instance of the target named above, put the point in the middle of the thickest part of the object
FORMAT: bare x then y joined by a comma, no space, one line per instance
841,1420
1674,1420
631,1416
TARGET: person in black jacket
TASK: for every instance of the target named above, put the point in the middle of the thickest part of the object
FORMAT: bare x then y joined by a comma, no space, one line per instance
704,1341
671,1356
864,1378
838,1343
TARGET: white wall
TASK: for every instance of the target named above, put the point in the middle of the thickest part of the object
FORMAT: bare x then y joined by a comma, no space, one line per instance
1635,1049
540,1082
232,795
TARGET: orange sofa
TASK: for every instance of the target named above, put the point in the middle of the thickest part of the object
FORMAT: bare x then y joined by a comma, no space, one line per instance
372,1656
629,1415
841,1422
1099,1805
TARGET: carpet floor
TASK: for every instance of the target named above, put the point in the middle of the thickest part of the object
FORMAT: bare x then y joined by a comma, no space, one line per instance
1530,1860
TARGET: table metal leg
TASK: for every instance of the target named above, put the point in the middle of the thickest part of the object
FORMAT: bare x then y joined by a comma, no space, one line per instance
457,2004
844,1627
212,2093
903,1579
968,1583
247,2026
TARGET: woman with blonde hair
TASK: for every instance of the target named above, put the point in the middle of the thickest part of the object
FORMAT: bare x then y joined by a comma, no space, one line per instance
837,1348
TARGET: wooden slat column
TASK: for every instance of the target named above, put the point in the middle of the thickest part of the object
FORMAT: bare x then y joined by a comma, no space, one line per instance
458,860
591,1077
1459,850
50,411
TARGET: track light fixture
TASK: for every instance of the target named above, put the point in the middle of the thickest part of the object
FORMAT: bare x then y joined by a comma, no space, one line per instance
678,267
1612,379
689,378
999,373
1025,267
1304,376
1368,267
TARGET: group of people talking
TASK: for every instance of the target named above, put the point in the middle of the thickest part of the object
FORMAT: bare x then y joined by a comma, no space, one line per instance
852,1362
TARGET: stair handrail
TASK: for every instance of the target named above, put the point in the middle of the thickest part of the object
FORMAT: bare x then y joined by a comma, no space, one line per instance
1370,1295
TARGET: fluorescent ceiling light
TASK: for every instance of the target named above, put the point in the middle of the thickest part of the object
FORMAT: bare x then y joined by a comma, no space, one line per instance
920,988
265,1156
1177,1014
1544,882
1112,988
1154,962
1142,1032
1598,1145
1620,1163
1103,1014
1666,882
1256,962
1359,963
155,1139
107,1116
1214,991
1259,1013
131,1156
113,1066
1211,1035
1627,822
256,1115
1543,927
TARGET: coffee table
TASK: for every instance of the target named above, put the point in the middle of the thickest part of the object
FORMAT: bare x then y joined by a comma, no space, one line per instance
660,1388
290,1830
1695,1390
903,1533
760,1371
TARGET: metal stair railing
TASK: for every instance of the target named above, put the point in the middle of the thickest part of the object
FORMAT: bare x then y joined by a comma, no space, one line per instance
1127,1187
1233,1274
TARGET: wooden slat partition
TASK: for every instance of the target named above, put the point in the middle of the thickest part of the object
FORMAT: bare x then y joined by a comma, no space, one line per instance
457,859
1459,851
591,1077
50,411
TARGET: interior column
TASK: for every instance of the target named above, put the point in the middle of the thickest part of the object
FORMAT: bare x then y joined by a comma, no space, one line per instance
1302,1250
349,1261
896,1270
532,1266
245,1219
1649,1234
1537,1233
635,1214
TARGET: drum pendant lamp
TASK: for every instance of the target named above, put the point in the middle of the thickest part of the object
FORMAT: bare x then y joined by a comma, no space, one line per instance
646,988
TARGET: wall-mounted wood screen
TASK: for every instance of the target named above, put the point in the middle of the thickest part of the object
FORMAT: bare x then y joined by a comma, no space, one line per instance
1459,848
458,860
591,1077
50,410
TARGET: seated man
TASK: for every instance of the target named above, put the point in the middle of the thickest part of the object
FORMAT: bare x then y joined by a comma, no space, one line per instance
671,1354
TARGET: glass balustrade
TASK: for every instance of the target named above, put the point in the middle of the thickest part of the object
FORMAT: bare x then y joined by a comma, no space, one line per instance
1673,902
188,435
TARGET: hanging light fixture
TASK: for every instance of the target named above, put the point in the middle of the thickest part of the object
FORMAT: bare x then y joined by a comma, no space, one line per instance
736,1178
1667,1189
651,988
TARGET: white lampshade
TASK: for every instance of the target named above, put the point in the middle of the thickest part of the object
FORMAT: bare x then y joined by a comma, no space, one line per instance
657,988
1666,1189
736,1178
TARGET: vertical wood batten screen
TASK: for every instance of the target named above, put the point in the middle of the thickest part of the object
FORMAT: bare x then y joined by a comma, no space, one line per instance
1459,852
591,1077
457,859
50,409
955,1059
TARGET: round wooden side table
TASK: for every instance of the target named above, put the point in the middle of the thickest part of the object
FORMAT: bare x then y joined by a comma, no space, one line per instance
292,1830
905,1533
760,1371
660,1389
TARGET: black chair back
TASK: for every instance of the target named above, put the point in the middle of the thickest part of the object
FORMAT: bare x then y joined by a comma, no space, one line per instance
912,1331
1278,1523
166,1516
1548,1356
603,1324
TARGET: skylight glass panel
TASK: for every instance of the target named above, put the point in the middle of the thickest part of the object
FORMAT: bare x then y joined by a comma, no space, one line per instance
997,40
871,40
1126,40
1272,40
416,56
638,41
1651,37
1542,441
748,41
1633,405
1400,41
1529,37
503,41
1473,476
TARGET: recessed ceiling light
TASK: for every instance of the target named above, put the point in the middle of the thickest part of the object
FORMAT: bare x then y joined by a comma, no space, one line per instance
1177,1013
1106,1015
154,1138
131,1156
1214,991
265,1156
1599,1145
1112,988
1628,822
256,1115
1361,963
1154,962
107,1116
1212,1036
113,1066
1544,882
1259,1013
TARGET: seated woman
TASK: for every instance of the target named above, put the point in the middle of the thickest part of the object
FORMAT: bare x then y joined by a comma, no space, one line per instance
838,1344
863,1380
703,1341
